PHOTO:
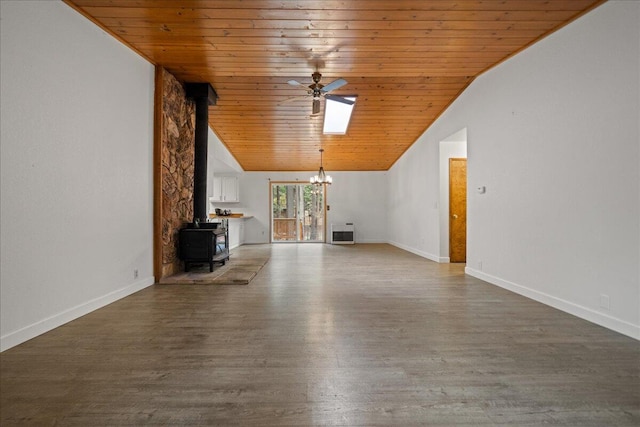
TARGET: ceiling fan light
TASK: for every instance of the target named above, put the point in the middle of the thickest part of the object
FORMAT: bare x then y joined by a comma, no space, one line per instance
316,107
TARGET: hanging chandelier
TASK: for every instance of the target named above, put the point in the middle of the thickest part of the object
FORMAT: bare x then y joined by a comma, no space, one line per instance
321,177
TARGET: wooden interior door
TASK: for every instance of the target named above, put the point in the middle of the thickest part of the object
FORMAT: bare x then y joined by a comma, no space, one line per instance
458,210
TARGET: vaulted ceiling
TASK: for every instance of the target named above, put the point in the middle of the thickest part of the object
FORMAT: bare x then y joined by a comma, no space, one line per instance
405,60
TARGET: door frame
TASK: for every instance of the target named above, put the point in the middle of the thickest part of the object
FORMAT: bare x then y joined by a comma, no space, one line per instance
324,212
454,145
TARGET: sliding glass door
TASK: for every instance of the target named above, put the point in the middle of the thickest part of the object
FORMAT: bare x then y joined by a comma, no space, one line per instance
297,212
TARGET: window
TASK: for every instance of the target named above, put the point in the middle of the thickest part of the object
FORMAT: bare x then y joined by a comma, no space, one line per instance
337,116
298,212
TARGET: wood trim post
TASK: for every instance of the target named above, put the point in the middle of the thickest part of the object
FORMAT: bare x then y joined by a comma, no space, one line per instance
158,125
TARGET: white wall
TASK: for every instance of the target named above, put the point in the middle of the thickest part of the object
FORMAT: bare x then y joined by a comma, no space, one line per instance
414,199
76,153
221,160
358,197
553,134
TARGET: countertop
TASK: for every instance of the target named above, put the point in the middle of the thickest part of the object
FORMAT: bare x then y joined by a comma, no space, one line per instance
230,216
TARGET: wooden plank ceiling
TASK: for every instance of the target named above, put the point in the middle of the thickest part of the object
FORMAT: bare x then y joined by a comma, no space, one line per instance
406,60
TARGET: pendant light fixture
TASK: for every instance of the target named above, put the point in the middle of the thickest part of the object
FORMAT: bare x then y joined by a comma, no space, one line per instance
321,177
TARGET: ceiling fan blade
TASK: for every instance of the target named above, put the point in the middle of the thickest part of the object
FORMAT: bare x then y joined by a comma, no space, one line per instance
295,83
334,85
340,99
292,99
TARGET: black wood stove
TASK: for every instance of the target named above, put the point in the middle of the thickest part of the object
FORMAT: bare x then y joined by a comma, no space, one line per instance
204,244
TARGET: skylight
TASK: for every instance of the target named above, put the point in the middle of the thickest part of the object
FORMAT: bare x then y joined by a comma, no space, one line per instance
337,115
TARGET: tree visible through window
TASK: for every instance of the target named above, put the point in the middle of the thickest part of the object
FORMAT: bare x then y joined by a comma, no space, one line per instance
297,212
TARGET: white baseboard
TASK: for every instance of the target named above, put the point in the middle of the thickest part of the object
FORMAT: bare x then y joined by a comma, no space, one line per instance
585,313
14,338
423,254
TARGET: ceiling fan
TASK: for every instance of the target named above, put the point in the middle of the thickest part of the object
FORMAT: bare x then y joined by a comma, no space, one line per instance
317,90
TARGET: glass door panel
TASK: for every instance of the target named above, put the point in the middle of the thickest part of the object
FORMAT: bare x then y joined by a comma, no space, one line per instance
298,213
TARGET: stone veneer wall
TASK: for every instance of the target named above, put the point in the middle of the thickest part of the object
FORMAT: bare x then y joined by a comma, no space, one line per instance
178,133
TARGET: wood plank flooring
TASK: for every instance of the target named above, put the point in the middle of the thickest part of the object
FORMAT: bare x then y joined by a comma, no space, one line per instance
364,335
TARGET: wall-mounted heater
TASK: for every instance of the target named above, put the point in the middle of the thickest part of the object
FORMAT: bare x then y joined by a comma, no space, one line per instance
343,234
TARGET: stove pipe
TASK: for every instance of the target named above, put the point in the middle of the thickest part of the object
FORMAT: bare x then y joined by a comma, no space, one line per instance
204,95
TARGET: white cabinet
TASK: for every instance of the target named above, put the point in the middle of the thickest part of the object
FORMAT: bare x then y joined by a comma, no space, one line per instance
241,231
230,189
225,189
236,232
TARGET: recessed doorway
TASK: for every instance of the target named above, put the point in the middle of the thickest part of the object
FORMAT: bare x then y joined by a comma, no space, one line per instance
452,147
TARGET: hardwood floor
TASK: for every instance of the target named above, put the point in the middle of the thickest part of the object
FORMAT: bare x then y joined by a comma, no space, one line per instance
326,335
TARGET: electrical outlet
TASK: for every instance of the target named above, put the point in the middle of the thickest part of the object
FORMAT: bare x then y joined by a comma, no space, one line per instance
604,301
135,273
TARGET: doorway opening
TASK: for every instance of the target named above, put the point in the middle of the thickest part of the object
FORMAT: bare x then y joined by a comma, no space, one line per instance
452,147
298,212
